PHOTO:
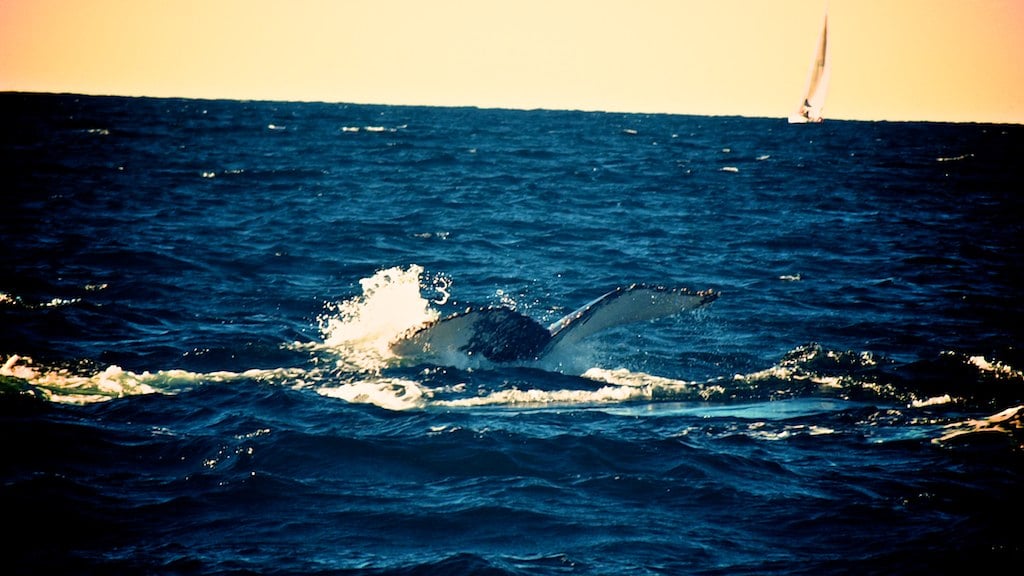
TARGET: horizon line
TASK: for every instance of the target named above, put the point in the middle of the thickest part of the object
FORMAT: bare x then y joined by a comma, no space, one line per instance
498,107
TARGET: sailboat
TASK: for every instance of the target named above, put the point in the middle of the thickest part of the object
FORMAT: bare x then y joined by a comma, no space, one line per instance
813,102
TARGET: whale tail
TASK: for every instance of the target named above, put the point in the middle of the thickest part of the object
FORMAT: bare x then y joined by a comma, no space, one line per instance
635,303
504,335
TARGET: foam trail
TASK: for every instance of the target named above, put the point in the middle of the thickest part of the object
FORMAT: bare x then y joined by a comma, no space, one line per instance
62,386
516,397
653,387
621,386
389,393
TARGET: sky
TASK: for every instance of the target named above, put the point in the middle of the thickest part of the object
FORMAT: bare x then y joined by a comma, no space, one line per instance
937,60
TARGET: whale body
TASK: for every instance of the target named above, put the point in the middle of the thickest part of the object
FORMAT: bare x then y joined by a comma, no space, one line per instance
501,334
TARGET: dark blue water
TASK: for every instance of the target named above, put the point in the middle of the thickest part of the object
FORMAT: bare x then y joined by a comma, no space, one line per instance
196,301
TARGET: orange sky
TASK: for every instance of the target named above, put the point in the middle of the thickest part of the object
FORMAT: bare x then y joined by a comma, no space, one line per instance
892,59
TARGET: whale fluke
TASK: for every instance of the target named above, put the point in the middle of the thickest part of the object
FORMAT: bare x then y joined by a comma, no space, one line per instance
635,303
504,335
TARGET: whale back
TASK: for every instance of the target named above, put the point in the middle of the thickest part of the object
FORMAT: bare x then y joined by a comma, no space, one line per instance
498,334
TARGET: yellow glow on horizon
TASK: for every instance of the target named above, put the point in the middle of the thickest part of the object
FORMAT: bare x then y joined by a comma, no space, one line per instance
892,59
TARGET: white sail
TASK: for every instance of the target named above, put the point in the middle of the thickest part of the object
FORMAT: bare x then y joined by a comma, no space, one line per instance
813,102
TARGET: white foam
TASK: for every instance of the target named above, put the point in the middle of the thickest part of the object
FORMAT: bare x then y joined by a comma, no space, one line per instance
757,431
389,393
64,386
359,330
997,368
628,378
534,397
934,401
652,387
622,385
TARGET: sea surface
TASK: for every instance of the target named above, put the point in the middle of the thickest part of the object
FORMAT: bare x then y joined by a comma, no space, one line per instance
198,300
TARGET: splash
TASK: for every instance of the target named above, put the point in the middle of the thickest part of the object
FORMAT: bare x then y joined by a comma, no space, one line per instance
359,330
356,332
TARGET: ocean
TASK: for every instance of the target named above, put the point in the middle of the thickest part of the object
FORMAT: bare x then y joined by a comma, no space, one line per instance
199,302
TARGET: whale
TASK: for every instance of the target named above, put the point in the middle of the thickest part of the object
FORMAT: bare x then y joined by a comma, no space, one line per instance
503,335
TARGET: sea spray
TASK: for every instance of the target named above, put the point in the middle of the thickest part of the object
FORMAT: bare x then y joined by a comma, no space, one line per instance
360,329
